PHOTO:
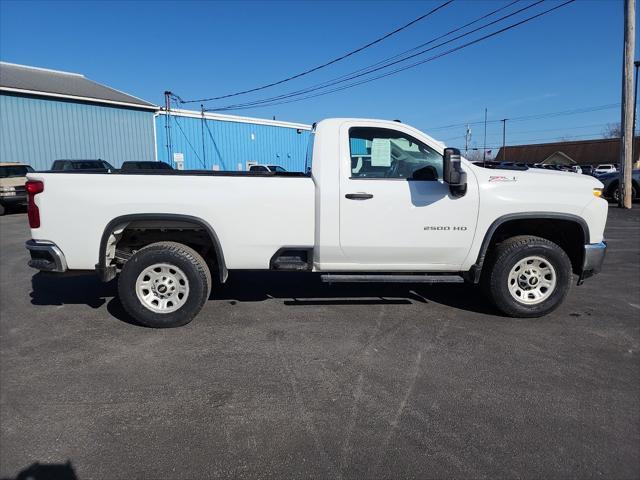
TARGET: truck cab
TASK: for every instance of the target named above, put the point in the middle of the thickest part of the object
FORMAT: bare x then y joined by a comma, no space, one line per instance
383,202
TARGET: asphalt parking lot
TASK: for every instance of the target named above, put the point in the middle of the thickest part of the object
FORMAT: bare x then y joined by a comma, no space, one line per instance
282,376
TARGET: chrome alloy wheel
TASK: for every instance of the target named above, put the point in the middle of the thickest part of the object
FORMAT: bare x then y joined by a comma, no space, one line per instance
162,288
532,280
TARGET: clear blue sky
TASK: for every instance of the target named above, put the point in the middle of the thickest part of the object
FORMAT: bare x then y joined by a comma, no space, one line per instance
568,59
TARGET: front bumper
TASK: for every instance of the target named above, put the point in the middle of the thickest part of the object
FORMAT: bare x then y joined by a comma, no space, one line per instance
594,254
46,256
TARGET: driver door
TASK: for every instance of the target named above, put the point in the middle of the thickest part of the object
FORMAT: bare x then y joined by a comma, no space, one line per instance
396,213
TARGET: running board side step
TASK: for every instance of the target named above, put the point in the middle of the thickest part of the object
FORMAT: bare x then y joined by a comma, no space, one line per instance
364,278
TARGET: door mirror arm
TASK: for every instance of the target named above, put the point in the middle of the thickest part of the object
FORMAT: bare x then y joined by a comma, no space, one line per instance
453,174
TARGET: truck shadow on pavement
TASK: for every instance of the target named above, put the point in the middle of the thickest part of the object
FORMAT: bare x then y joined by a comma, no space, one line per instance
294,289
47,471
86,289
301,289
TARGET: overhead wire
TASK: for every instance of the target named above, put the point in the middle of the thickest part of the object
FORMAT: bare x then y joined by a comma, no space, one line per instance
556,139
388,62
406,67
175,119
536,116
330,62
521,132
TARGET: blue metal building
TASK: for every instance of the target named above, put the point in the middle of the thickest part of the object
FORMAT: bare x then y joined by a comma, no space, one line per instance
47,115
226,142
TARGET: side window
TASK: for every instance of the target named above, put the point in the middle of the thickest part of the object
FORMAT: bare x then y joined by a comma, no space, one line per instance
386,153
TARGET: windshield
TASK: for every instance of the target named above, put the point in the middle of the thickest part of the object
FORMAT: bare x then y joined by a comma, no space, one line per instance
276,168
8,171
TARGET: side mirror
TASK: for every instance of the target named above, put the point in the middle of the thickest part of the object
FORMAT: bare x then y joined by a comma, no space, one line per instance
453,173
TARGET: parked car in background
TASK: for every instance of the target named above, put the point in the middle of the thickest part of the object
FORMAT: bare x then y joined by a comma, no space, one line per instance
604,168
136,166
587,169
576,169
89,165
266,168
13,176
611,182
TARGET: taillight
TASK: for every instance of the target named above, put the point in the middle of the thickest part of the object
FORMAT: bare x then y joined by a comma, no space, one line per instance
33,187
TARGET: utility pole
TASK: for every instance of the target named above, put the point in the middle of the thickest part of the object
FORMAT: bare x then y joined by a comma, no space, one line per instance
204,154
167,123
626,140
467,139
635,111
504,139
484,149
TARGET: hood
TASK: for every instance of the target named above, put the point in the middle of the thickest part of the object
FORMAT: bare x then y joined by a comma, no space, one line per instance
537,177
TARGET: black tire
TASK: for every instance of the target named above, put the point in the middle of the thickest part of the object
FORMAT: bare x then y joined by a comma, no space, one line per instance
2,209
506,255
615,193
188,261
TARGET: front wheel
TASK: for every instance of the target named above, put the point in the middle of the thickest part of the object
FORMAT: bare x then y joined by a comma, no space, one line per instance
527,276
164,285
616,194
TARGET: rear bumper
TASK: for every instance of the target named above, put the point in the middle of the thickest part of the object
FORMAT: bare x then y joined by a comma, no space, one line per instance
46,256
594,254
14,200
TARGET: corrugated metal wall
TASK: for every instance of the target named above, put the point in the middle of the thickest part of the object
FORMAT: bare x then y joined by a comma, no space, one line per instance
230,145
38,131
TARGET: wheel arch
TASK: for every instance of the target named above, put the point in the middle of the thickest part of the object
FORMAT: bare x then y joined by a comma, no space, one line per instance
572,235
107,272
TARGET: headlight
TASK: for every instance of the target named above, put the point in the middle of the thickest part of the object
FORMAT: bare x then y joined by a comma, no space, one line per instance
7,191
597,192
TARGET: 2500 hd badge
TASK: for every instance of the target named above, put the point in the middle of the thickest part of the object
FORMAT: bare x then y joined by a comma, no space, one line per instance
445,227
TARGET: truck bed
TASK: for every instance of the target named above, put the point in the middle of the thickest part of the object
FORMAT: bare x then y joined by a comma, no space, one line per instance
253,214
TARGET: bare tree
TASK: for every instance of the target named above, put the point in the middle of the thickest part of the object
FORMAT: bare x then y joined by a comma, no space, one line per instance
612,130
475,155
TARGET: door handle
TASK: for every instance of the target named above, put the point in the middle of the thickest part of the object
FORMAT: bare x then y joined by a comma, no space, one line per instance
358,196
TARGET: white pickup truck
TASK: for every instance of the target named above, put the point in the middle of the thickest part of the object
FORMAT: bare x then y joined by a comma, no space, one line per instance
380,202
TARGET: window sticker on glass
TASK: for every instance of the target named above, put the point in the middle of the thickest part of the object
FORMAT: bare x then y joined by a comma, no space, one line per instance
381,152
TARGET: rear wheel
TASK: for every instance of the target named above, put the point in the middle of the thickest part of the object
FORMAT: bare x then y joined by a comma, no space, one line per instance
527,276
164,285
2,209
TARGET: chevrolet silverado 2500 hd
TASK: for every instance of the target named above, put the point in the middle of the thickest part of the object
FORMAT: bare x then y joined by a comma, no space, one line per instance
381,202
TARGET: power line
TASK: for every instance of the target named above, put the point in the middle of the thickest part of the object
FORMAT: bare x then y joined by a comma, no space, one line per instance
393,57
558,139
537,116
400,69
386,63
591,125
326,64
175,118
522,132
372,68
